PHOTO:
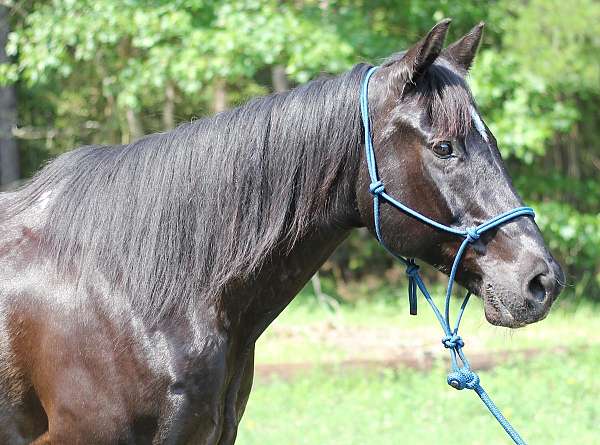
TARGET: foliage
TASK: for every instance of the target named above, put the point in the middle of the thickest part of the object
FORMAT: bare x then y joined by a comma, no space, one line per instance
518,106
576,236
564,45
107,71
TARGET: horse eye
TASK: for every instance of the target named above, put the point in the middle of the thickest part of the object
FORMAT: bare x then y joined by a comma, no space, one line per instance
443,149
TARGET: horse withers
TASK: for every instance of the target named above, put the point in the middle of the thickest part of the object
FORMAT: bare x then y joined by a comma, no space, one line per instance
135,280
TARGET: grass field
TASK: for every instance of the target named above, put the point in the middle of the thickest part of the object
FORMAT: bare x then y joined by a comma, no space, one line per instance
552,397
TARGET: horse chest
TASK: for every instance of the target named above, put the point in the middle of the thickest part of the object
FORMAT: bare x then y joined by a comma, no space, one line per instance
194,363
192,360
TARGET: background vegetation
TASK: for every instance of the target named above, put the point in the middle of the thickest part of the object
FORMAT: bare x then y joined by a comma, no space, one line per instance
370,374
109,71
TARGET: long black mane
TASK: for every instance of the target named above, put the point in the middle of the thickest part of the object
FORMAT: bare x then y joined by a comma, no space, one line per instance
178,215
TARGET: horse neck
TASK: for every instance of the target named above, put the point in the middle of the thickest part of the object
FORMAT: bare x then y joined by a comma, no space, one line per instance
257,302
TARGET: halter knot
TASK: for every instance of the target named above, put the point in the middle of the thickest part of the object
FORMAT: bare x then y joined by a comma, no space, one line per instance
412,269
472,235
376,188
463,378
453,341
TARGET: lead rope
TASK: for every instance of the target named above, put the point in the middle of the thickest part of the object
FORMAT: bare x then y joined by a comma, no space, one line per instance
461,376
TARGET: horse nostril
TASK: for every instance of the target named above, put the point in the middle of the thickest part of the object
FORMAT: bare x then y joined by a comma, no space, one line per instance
536,288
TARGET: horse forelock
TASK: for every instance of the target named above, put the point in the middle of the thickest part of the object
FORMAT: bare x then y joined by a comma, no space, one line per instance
442,91
448,100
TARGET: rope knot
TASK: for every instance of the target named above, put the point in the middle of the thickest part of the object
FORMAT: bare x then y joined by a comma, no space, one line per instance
412,270
376,188
472,235
463,378
453,341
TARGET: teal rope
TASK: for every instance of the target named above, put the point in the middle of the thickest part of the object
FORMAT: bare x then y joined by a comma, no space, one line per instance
461,376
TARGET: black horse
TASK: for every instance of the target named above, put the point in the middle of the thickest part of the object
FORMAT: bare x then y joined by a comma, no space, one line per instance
135,280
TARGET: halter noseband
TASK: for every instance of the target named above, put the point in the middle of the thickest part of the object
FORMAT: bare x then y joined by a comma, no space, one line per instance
461,376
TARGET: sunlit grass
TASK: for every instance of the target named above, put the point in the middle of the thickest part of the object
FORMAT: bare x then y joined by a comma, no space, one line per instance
552,399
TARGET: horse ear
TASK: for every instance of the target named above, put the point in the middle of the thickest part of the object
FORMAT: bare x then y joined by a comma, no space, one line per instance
422,55
462,52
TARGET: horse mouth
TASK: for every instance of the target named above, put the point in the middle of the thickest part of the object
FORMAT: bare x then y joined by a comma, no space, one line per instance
496,311
500,312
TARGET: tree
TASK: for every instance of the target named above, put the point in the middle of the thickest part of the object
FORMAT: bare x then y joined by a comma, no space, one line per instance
9,155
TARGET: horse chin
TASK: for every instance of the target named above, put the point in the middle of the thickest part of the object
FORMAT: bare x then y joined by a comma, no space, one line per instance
496,313
506,308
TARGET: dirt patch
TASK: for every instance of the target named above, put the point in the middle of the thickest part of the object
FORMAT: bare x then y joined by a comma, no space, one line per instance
421,362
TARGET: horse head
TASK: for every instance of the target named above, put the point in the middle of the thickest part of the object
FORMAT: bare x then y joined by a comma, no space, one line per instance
437,156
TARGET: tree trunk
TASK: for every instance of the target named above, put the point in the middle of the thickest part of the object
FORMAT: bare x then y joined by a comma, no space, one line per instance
134,125
279,79
169,108
572,154
220,96
9,154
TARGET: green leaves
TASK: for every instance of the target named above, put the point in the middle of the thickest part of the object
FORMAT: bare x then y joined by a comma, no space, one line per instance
520,107
556,40
135,47
572,235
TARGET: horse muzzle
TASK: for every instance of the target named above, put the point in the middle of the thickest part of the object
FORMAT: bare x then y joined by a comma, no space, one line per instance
531,297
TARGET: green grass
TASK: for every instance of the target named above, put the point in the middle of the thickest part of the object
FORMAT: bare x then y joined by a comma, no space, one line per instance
296,336
552,399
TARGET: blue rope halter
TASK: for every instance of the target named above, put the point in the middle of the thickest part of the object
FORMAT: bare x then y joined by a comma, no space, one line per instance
461,376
